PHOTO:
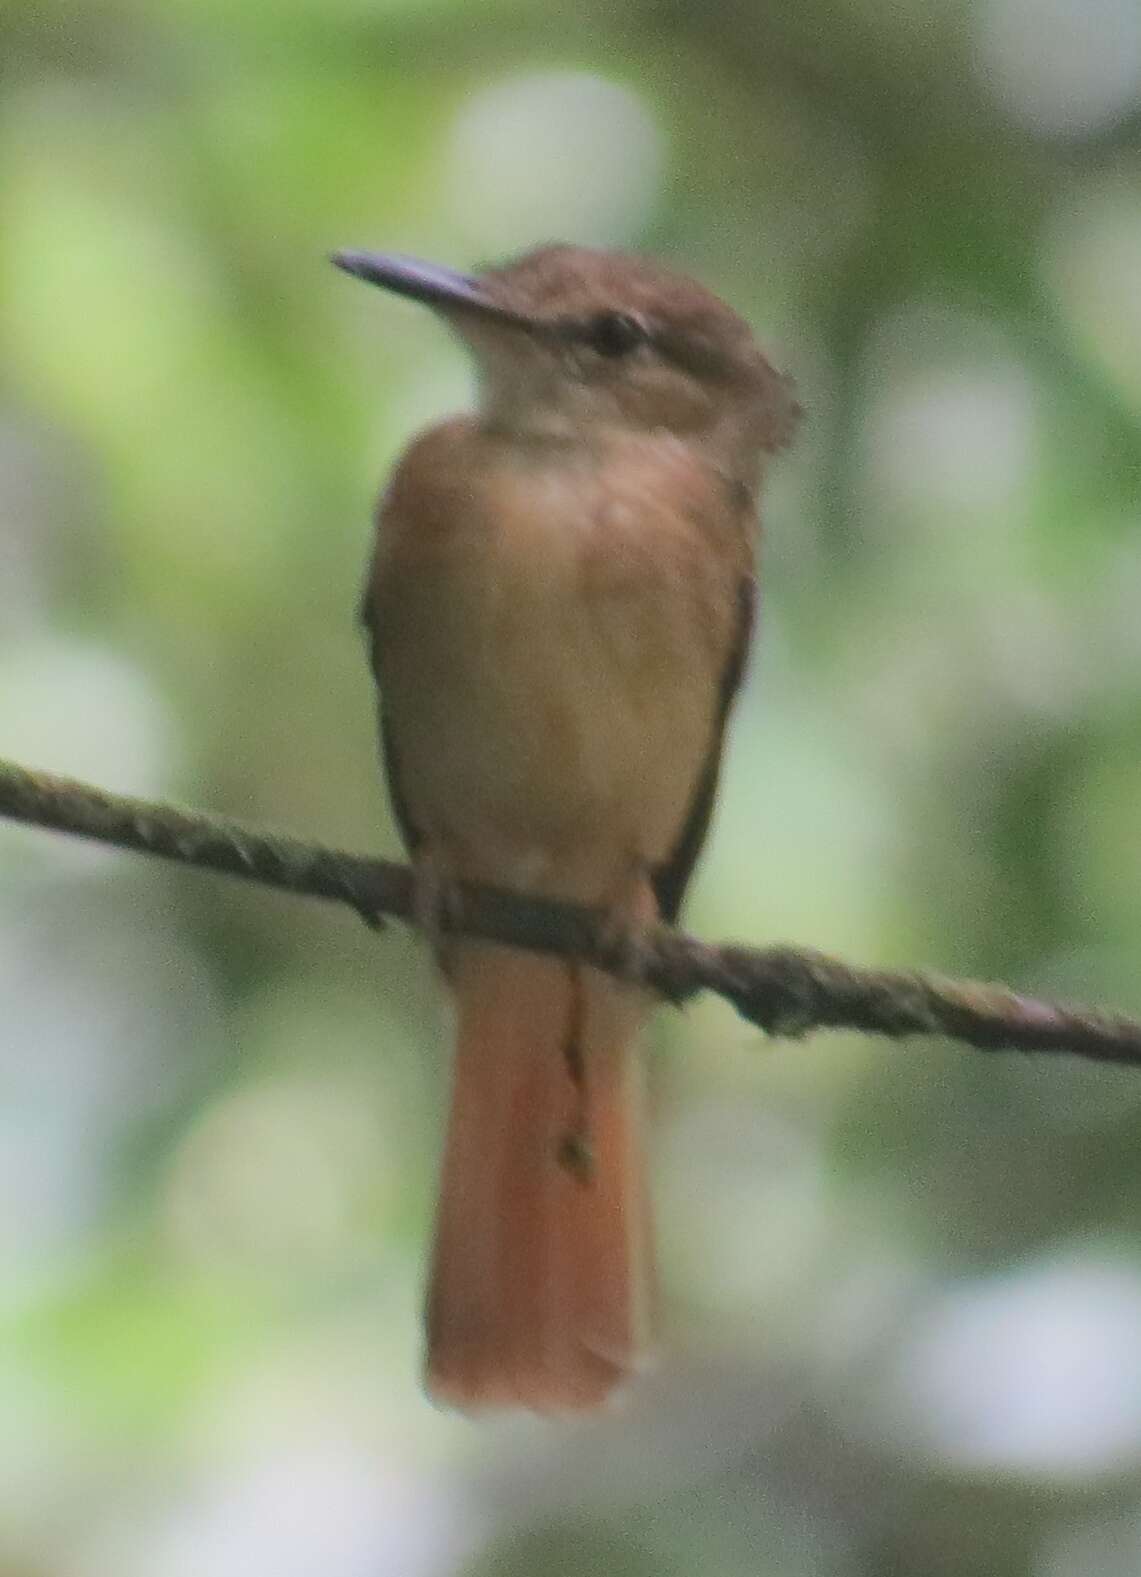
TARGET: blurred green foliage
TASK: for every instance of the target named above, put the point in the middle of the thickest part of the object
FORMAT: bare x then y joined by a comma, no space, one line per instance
903,1284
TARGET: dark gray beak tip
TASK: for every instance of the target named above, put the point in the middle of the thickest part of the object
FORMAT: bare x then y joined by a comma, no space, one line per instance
355,263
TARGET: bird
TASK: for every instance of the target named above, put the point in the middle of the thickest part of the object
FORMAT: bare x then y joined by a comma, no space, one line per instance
558,606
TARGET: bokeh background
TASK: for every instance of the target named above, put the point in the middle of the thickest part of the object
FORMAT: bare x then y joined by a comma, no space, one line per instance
903,1284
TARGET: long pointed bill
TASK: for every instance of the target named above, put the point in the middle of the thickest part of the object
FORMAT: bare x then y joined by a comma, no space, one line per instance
427,282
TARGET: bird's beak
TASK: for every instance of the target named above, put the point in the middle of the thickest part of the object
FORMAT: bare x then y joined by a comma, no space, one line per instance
438,287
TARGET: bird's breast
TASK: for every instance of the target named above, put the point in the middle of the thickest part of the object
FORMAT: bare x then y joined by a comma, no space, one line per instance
550,639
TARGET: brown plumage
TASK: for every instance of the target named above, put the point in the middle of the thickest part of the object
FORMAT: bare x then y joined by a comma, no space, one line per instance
559,604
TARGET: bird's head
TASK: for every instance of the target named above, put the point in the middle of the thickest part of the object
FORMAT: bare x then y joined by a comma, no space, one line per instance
572,343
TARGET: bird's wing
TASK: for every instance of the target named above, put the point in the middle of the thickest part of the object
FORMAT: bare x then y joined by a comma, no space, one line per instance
671,879
389,758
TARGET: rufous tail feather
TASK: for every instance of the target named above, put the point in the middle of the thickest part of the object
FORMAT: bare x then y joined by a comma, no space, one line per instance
540,1285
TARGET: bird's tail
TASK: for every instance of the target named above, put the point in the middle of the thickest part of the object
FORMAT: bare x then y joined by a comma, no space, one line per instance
541,1277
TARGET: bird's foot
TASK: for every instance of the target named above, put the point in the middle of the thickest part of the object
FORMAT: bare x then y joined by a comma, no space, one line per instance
625,923
437,904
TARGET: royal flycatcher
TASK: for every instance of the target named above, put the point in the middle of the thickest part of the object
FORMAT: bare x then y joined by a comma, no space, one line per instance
559,604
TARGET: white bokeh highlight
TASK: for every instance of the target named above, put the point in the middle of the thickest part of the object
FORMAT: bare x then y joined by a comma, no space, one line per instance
73,707
1033,1372
100,1030
276,1180
561,155
957,437
1061,68
327,1505
951,432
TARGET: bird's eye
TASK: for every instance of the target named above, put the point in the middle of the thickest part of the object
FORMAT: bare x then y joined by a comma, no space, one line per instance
616,333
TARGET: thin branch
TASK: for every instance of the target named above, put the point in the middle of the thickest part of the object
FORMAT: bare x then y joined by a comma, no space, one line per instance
783,990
